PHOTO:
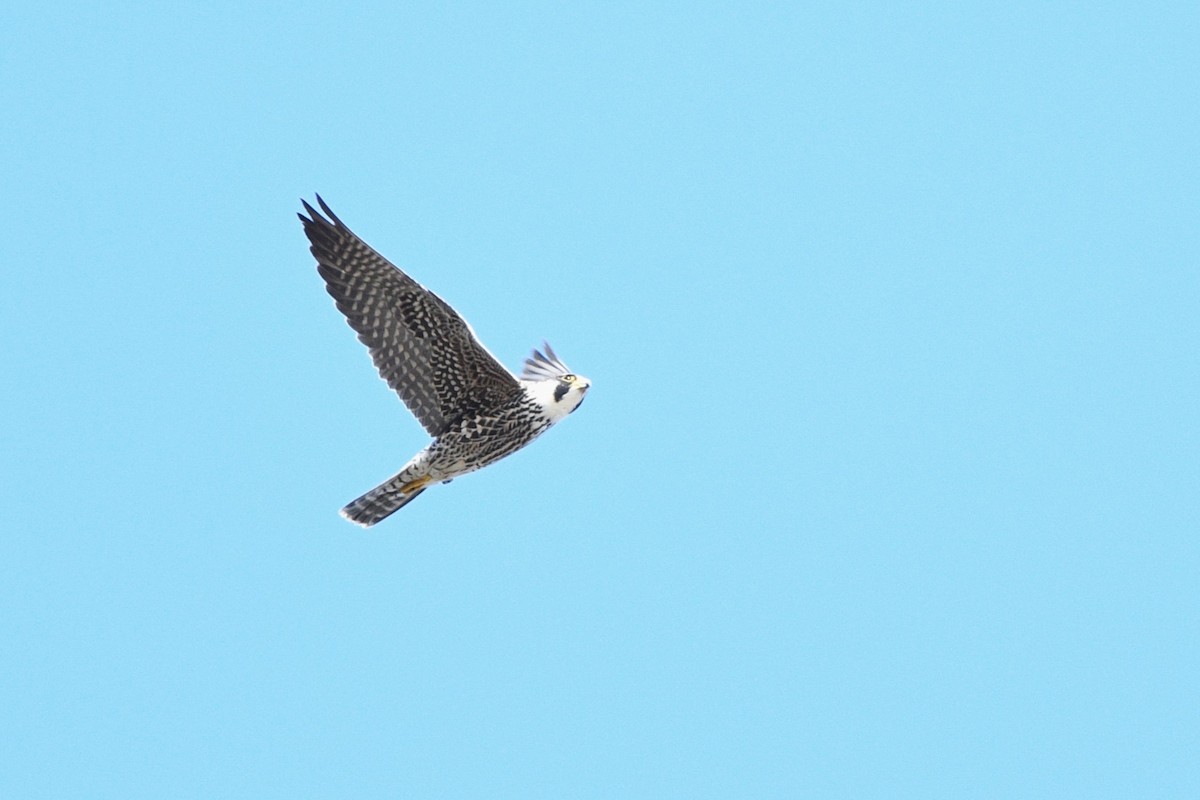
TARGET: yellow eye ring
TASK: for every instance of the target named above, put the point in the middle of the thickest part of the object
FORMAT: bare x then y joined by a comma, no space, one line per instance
569,378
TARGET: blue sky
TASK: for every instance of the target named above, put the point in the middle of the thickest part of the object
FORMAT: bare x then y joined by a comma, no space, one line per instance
887,484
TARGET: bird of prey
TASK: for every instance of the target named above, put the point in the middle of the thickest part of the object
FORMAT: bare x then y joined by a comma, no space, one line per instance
476,410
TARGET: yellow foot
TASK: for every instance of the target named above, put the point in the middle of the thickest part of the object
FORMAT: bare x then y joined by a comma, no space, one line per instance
415,485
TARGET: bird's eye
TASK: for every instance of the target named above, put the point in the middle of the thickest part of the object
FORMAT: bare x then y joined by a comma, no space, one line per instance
569,378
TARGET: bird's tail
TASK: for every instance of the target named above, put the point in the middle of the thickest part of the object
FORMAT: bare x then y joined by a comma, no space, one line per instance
384,500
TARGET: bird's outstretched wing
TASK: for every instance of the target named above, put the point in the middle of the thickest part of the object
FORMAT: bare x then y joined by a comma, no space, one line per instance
424,350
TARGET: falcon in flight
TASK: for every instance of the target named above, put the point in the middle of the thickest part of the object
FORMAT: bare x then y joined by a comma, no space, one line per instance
476,410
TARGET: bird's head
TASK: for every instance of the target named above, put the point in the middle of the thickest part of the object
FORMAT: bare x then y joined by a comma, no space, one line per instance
556,387
570,391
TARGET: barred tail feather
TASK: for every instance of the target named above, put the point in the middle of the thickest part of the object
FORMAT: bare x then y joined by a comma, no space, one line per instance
384,500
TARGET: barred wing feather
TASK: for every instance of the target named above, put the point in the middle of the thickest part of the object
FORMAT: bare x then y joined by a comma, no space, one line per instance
424,350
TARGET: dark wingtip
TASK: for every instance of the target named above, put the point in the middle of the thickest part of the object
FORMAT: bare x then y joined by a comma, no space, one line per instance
328,211
317,217
313,216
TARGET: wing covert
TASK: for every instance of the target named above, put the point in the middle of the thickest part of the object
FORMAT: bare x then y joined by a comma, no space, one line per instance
424,350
